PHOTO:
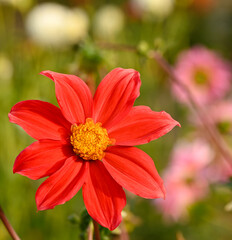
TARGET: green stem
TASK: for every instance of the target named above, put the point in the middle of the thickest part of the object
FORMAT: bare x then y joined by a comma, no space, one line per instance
8,226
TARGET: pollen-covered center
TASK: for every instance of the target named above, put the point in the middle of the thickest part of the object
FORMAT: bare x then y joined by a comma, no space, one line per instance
89,140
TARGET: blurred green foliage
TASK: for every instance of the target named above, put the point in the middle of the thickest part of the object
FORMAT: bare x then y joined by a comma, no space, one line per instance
184,27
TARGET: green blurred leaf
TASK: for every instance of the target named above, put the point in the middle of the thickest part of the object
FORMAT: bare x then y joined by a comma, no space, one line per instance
73,218
90,57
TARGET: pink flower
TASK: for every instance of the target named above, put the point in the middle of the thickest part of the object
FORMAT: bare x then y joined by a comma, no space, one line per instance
219,171
185,179
88,143
205,73
220,115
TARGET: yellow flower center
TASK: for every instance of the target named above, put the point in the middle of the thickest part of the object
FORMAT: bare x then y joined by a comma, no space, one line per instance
201,77
89,140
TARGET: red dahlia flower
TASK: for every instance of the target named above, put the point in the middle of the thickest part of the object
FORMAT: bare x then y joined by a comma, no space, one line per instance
88,142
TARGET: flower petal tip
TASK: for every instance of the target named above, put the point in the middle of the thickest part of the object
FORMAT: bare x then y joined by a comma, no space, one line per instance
161,193
46,73
178,124
136,73
14,170
10,116
132,72
164,193
41,207
11,113
175,123
111,228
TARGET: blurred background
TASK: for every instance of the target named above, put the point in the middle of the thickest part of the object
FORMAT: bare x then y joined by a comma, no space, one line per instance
89,38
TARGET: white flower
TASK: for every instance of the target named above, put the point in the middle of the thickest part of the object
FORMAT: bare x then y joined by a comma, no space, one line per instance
77,27
155,8
52,24
108,21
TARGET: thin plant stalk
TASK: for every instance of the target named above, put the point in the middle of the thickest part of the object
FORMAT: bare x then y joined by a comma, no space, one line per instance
96,230
8,226
90,232
124,234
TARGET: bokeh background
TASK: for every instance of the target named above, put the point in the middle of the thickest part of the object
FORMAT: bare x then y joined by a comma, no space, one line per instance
89,38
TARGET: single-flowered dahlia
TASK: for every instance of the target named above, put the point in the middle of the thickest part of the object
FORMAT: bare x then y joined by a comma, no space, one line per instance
88,142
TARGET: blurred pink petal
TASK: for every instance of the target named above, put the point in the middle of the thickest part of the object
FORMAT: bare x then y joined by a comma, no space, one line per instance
220,115
219,171
185,179
204,72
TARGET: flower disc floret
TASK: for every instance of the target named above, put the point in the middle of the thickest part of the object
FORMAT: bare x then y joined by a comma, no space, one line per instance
201,77
89,140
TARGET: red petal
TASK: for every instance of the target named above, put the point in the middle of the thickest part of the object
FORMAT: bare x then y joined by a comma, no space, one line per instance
115,96
62,185
134,170
141,126
104,198
42,158
41,120
73,96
